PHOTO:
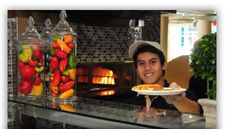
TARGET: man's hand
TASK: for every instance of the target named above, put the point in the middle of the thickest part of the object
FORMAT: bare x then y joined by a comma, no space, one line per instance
173,99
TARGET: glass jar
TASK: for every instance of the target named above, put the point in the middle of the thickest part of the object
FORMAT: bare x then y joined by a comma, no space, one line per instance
46,34
30,70
62,62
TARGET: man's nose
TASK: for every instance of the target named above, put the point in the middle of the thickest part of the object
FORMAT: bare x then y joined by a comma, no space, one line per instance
147,66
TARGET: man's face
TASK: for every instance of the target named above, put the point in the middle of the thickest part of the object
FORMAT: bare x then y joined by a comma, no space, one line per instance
149,68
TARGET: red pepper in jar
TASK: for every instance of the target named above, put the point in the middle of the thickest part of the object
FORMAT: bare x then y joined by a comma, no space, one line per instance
37,80
59,53
54,89
27,72
71,45
21,64
55,45
62,65
53,94
65,79
37,53
54,63
41,59
67,86
32,63
25,87
56,78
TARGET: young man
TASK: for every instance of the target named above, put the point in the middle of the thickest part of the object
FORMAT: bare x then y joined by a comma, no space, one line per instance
150,65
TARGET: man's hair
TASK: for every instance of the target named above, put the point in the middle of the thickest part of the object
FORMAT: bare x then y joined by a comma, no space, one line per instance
149,48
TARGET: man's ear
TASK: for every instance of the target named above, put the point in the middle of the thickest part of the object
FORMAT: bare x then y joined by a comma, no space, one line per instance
164,66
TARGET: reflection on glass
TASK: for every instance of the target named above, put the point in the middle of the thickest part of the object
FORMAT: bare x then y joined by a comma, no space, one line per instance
70,107
67,107
149,102
149,114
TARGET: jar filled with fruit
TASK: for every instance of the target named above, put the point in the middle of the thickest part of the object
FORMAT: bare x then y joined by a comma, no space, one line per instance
62,62
30,70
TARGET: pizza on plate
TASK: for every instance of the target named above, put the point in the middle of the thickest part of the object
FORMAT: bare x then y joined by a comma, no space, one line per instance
151,87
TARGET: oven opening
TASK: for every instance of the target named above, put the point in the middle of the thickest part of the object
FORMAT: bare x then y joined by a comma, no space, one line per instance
104,79
100,76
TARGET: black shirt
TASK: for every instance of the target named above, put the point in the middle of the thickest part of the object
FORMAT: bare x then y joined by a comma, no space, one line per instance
198,86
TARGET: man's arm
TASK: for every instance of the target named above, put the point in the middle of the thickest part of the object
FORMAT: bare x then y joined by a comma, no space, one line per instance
181,102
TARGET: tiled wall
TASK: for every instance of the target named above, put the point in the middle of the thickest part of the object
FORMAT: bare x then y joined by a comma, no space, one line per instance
110,44
151,30
102,44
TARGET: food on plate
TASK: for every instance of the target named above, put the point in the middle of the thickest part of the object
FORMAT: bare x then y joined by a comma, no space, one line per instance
155,89
151,87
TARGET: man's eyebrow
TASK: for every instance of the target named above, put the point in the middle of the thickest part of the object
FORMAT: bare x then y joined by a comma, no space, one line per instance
154,58
139,60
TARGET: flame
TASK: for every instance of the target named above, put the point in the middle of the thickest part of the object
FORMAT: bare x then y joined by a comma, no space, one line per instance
108,92
100,76
103,76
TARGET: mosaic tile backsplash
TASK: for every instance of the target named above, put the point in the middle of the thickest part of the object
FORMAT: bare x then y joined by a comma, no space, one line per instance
102,44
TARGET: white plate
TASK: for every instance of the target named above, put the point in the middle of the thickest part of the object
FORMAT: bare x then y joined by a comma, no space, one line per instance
165,91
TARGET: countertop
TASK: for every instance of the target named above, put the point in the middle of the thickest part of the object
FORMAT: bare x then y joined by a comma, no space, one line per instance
92,113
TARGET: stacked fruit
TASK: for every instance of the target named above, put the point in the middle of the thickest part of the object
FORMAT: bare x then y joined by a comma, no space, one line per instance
30,64
62,67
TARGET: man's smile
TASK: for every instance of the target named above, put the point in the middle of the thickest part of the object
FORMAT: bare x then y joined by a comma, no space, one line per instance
148,74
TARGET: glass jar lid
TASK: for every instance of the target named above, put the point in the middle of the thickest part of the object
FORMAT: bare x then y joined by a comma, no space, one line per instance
63,25
31,32
47,30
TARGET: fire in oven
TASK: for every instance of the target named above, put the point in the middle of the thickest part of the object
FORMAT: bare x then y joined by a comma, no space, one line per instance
100,75
104,79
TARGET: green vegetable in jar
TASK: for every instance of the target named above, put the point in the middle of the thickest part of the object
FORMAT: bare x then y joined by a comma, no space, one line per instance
23,58
51,51
72,61
56,37
66,73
